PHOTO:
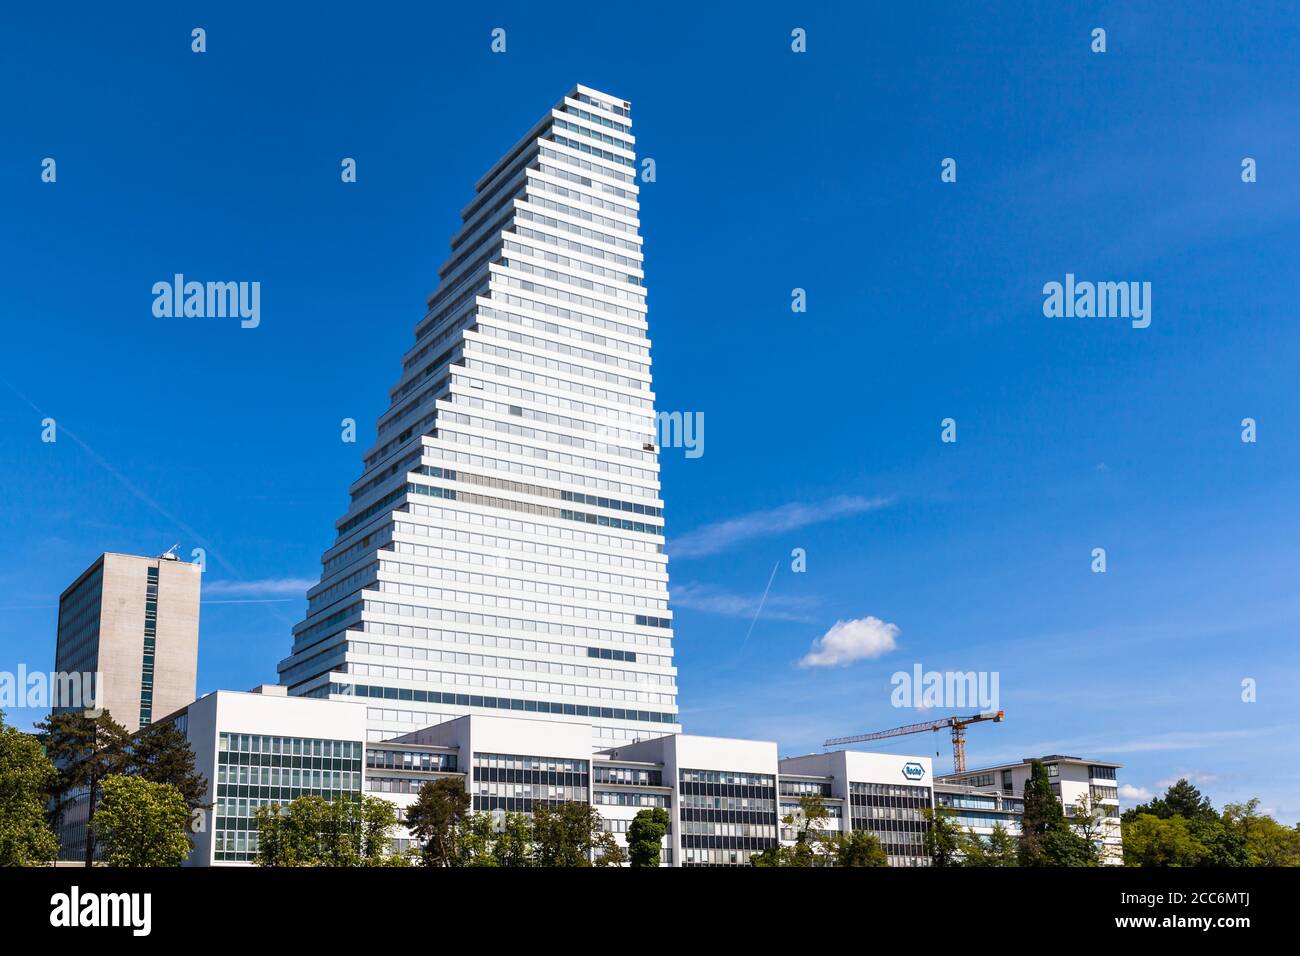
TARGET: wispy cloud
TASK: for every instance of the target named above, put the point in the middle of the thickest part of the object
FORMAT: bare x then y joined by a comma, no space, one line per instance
724,535
1194,777
1103,746
1184,740
850,641
711,600
266,587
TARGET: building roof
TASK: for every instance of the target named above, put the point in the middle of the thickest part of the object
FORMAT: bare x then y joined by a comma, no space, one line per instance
1049,758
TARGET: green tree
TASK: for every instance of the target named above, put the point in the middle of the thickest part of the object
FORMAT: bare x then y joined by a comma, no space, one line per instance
291,834
572,834
1046,837
313,831
359,831
278,843
477,841
1089,821
1222,836
945,842
809,825
1000,849
606,850
513,845
161,754
1152,841
142,823
811,845
436,818
777,855
27,778
1265,842
84,750
859,848
1275,845
645,835
1182,799
1224,843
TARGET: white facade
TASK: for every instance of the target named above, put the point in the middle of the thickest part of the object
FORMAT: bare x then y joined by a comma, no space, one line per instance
725,798
884,794
978,811
708,785
1073,779
484,747
723,793
264,747
503,550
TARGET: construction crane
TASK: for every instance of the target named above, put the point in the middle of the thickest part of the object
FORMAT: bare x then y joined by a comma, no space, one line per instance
958,725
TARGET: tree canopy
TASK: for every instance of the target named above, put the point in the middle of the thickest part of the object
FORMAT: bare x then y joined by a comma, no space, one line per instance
313,831
27,779
142,823
645,836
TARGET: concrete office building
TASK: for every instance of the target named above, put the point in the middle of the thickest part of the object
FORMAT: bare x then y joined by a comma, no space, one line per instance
884,794
1073,779
134,622
128,640
502,553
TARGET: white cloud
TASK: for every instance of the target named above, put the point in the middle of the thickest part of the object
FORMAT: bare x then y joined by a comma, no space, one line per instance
295,587
1129,792
724,535
850,641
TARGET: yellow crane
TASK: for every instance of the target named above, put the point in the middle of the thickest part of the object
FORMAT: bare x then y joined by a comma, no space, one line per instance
957,724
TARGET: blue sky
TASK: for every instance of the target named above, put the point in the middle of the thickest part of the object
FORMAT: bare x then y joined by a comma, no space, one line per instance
775,171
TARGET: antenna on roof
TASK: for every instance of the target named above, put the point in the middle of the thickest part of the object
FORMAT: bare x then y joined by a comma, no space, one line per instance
170,553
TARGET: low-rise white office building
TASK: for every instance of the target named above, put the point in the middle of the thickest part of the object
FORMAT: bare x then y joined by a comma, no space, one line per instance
265,747
1074,780
726,799
722,793
979,811
884,794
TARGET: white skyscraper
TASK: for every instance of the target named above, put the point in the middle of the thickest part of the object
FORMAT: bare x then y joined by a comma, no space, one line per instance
503,550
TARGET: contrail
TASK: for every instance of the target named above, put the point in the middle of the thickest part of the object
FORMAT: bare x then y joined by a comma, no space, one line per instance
762,601
129,486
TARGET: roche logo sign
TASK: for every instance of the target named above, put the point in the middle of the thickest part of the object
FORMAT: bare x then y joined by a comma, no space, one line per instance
913,770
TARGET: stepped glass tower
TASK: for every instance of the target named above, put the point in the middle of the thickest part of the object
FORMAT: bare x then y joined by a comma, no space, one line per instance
503,550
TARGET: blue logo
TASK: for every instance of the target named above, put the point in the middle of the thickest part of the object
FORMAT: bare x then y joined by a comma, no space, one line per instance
913,771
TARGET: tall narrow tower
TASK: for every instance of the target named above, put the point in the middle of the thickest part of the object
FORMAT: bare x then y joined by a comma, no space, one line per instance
128,644
133,622
503,550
